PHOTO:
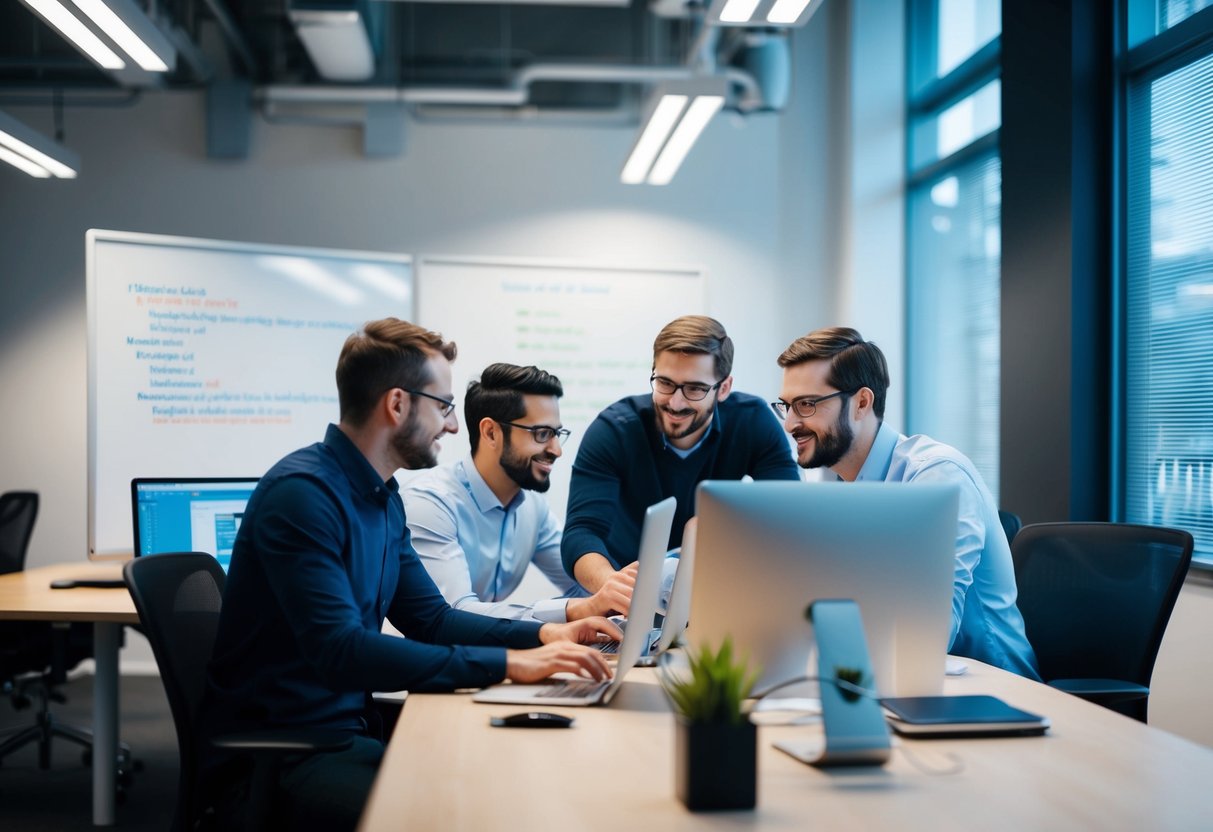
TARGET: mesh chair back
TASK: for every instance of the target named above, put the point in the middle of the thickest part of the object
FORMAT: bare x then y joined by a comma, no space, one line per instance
18,511
1011,524
178,597
1096,597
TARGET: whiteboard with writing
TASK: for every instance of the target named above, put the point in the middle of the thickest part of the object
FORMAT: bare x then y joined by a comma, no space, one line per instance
211,358
591,325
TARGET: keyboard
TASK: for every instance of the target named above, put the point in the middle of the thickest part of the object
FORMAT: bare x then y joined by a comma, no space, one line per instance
573,688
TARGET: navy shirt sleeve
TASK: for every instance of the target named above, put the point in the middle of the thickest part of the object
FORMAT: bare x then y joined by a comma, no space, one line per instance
298,538
595,493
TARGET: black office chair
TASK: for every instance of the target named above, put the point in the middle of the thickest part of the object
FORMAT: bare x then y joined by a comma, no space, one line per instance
179,597
35,655
1096,598
1011,524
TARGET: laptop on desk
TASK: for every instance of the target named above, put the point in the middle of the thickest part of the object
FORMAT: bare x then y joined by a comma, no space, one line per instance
574,691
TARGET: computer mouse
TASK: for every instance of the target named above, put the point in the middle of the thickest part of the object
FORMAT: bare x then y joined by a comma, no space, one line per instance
63,583
532,719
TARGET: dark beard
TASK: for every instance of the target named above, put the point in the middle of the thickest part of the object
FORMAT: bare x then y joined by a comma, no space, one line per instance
414,450
696,423
829,449
519,468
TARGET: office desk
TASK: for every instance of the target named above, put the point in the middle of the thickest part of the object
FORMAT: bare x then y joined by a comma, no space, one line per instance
27,596
445,768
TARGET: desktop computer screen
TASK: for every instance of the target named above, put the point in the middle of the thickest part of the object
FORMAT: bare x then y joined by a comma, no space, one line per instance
766,550
199,515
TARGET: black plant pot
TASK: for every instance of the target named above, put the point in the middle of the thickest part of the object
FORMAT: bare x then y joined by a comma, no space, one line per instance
715,764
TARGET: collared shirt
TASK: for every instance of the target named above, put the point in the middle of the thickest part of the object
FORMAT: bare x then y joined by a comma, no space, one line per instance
321,558
478,550
986,624
623,466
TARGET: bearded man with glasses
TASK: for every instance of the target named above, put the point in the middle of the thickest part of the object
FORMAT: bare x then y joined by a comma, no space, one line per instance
642,449
479,523
832,403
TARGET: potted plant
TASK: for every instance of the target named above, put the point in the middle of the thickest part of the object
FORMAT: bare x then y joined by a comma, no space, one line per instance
715,748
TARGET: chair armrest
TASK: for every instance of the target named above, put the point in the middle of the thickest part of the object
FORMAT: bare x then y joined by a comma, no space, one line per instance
1101,690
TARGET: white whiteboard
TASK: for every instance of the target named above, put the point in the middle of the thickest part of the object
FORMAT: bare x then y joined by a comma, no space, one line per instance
211,358
591,325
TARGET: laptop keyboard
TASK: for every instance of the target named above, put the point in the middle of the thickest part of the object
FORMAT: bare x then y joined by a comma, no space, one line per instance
572,688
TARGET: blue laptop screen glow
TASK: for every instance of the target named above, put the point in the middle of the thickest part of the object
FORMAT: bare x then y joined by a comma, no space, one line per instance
189,515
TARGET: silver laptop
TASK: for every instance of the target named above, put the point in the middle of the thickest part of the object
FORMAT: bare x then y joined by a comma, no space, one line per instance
654,538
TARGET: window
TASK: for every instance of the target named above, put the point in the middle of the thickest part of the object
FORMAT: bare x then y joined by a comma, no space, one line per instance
1167,418
953,233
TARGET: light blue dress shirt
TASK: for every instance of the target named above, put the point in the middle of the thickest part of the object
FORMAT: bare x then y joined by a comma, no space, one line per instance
986,624
478,550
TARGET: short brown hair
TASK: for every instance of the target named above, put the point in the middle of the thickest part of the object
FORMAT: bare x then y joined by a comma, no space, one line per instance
697,334
383,355
854,362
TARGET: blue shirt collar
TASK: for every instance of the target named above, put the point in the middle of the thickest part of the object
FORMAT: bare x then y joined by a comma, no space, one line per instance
467,474
880,456
362,475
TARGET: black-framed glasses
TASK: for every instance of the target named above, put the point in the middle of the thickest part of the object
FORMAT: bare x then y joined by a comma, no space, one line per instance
805,406
543,433
448,405
692,391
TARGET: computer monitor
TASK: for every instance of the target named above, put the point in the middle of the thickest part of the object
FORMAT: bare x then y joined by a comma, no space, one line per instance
198,515
766,550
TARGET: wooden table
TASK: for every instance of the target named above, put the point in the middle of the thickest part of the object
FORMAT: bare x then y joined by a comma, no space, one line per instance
445,768
27,596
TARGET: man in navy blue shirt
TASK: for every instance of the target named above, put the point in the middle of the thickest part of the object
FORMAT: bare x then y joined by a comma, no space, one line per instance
323,556
642,449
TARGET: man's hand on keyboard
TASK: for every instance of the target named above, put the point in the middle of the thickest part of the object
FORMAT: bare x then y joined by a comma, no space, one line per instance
558,657
583,631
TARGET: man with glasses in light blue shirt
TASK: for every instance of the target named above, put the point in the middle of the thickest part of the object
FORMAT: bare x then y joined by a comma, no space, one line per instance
479,523
832,403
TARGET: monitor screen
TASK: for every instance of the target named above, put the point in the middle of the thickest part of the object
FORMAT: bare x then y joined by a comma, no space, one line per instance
199,515
766,550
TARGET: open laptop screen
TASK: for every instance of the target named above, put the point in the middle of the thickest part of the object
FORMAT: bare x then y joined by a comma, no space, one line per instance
199,515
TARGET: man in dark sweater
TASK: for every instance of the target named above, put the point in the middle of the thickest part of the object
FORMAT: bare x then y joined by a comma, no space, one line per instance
643,449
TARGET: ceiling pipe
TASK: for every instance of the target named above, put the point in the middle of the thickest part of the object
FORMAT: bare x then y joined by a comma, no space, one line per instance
515,94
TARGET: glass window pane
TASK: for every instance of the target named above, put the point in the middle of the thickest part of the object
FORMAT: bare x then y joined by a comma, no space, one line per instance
1169,338
965,26
953,311
1171,12
939,136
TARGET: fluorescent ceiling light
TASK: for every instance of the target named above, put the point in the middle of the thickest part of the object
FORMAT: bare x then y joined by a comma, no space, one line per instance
37,151
122,34
21,163
53,12
786,11
660,123
738,11
697,117
337,42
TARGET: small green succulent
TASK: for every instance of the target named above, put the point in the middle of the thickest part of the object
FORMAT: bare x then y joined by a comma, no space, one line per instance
716,687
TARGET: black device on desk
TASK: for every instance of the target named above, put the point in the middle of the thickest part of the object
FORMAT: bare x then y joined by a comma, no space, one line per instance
94,583
532,719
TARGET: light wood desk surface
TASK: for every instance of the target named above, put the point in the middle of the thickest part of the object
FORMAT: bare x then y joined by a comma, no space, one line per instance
445,768
27,596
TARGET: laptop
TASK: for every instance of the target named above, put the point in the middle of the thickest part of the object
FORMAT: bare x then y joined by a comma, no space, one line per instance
678,606
573,691
189,515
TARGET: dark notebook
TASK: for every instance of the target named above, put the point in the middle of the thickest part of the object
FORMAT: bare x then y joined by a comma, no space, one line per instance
960,716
